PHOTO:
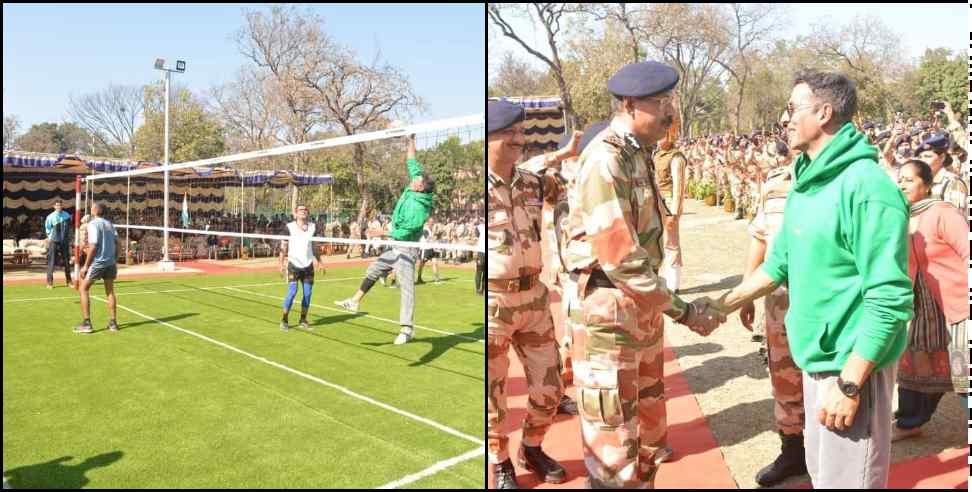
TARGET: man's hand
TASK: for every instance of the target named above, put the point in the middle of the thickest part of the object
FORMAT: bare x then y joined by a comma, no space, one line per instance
319,266
747,314
83,273
703,319
838,410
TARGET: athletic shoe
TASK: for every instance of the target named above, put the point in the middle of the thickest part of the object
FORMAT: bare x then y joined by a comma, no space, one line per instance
419,282
49,286
284,326
405,336
83,328
112,326
305,325
348,304
383,284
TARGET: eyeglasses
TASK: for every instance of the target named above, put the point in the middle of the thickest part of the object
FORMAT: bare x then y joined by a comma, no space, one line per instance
790,109
663,100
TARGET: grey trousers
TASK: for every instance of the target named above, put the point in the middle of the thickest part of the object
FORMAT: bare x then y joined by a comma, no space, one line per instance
402,260
854,458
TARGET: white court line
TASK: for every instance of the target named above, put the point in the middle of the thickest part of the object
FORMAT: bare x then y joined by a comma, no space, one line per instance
480,340
441,427
144,292
442,465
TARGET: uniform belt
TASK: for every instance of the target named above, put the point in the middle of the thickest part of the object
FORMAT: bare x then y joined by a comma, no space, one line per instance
518,284
598,279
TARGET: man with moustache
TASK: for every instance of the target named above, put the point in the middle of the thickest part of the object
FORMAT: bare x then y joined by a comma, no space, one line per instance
614,250
517,310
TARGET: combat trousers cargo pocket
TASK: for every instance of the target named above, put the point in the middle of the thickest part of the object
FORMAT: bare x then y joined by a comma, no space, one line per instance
600,402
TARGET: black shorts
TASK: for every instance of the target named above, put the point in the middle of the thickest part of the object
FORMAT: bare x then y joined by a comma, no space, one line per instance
428,254
300,275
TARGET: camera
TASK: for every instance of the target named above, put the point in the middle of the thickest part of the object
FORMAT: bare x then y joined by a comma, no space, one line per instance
937,106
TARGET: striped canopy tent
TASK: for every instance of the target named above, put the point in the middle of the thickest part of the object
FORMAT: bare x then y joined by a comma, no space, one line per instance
544,124
32,181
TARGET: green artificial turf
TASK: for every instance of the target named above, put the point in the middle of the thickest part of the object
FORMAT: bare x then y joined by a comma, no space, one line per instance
151,406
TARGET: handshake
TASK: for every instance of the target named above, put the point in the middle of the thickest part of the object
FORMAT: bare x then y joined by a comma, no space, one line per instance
704,315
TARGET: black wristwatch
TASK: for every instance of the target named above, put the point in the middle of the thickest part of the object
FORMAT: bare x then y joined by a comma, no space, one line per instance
849,389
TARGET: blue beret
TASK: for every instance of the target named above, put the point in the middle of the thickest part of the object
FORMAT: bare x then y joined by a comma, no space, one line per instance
502,114
590,132
642,79
937,142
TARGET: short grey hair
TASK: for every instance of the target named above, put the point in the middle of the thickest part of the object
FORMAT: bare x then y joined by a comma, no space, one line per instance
97,206
832,88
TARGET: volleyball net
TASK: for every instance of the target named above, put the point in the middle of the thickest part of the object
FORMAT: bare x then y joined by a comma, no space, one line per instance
237,206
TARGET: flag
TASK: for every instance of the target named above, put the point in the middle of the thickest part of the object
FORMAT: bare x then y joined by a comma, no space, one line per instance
185,210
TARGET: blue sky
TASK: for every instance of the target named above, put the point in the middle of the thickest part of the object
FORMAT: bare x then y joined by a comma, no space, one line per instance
51,51
920,26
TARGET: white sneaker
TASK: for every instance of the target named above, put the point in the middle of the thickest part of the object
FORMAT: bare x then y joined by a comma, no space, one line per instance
348,304
405,336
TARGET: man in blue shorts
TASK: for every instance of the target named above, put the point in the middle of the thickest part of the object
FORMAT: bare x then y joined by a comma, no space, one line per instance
99,263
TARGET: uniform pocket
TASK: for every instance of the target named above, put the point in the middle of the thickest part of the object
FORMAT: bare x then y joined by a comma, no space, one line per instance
600,401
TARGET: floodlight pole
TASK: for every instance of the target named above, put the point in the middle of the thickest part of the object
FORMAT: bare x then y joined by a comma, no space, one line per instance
166,264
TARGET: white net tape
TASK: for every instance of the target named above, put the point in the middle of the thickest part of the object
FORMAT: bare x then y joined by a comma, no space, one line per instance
334,240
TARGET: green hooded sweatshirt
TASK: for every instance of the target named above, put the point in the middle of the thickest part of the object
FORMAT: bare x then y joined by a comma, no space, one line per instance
412,209
843,250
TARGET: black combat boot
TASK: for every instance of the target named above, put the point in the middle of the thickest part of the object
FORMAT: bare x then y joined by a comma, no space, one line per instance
567,406
791,462
534,459
505,475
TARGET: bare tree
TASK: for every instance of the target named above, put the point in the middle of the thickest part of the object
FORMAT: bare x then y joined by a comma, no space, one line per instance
549,16
750,26
277,44
245,107
11,127
517,78
869,52
628,16
689,38
359,97
110,116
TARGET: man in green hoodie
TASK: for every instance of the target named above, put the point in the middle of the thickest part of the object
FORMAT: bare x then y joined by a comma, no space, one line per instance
411,212
843,252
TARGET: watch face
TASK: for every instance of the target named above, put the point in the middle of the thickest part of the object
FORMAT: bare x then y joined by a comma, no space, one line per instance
849,389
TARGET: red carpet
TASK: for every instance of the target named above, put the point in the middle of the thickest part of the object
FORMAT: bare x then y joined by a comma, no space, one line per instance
698,462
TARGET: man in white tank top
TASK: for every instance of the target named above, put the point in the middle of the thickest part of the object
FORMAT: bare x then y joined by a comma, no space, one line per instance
302,260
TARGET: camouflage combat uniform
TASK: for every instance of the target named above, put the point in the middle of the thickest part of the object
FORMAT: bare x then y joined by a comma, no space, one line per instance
785,376
554,274
615,231
517,309
952,189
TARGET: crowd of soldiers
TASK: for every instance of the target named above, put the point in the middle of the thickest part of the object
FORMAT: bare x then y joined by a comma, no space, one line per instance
737,167
596,222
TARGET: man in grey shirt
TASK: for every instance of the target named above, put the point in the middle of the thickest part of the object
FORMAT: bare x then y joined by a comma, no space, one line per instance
98,264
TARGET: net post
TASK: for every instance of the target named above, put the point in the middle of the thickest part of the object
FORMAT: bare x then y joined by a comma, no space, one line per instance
77,227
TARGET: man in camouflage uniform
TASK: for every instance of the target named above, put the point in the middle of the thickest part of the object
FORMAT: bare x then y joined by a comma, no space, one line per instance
517,312
670,166
946,185
560,164
785,376
614,250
